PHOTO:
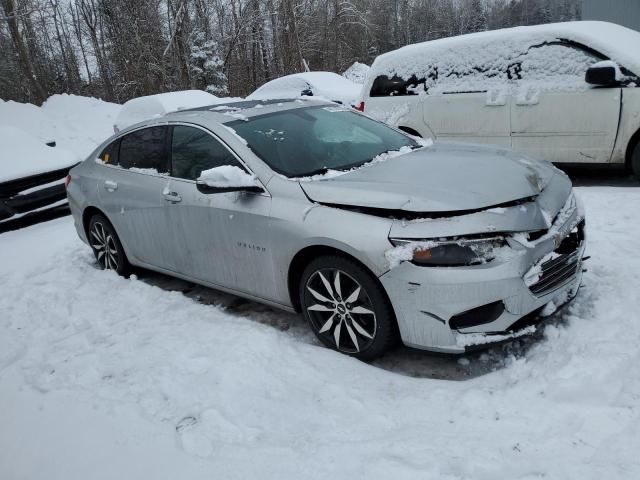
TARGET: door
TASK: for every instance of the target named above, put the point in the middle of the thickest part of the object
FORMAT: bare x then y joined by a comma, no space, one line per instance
555,114
470,104
478,117
136,172
220,238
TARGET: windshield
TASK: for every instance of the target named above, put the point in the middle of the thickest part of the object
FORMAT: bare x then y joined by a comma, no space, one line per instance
312,140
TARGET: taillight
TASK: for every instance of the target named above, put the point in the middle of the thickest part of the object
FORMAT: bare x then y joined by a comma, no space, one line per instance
360,106
67,181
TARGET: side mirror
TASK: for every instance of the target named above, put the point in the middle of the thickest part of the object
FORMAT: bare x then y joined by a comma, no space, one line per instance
227,178
604,74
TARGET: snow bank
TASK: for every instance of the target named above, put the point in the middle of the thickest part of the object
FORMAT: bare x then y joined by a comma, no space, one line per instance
153,106
227,176
357,72
28,118
23,155
322,84
80,123
174,388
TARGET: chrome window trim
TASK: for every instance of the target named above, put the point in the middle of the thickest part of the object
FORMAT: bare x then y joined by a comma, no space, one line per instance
167,175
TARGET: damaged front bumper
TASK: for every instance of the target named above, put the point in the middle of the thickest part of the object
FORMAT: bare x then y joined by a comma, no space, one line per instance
456,309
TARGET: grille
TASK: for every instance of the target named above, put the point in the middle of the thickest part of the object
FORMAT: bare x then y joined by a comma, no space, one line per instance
563,268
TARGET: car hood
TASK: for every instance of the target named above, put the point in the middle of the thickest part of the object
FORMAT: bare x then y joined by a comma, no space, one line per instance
436,179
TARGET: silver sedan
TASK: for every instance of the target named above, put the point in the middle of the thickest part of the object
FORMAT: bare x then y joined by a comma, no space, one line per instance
374,235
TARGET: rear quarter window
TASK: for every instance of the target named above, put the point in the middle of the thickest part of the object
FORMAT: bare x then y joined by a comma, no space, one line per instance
109,155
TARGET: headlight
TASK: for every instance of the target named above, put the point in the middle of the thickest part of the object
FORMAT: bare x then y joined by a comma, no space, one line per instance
446,253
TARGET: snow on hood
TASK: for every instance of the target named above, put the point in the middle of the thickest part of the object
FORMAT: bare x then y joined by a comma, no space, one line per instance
442,178
24,155
322,84
152,106
498,49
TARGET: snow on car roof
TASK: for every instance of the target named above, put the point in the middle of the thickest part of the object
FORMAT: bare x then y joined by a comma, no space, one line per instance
616,42
24,155
325,84
241,110
153,106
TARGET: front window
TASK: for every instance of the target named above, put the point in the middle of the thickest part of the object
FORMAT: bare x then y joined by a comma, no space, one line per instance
312,140
194,150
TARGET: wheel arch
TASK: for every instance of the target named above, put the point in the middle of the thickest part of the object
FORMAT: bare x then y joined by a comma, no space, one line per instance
302,258
89,212
92,210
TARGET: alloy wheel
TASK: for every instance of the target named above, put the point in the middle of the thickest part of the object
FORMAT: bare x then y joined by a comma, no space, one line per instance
105,247
340,310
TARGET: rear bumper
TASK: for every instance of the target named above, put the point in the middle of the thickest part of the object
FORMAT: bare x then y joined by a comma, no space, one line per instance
435,306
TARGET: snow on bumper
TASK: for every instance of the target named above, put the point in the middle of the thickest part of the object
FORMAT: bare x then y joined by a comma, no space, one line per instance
426,299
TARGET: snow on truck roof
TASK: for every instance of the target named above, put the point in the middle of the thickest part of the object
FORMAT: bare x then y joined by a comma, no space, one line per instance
614,41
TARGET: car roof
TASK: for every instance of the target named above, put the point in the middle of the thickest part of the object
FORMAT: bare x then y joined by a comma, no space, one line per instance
241,110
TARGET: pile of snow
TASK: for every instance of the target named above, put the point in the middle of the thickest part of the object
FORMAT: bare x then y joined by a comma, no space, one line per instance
24,155
29,118
451,64
80,123
226,176
357,72
321,84
153,106
174,388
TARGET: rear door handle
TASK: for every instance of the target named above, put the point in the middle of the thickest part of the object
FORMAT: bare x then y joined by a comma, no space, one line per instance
110,185
172,197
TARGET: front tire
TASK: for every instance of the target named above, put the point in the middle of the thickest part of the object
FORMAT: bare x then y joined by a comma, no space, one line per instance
635,161
347,308
106,246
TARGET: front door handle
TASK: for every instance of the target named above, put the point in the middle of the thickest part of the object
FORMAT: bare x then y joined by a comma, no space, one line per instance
172,197
110,185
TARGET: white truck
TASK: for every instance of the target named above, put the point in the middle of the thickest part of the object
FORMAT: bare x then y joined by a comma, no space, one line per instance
565,92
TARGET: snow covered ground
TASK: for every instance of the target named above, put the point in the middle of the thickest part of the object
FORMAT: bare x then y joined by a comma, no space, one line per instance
103,377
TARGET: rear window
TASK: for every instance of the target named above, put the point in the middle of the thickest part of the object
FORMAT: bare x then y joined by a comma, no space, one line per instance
145,149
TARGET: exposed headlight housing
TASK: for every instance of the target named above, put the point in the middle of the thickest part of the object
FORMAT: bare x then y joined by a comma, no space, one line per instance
446,252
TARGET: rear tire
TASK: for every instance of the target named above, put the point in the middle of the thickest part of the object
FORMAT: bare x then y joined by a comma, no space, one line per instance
106,246
635,161
347,308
